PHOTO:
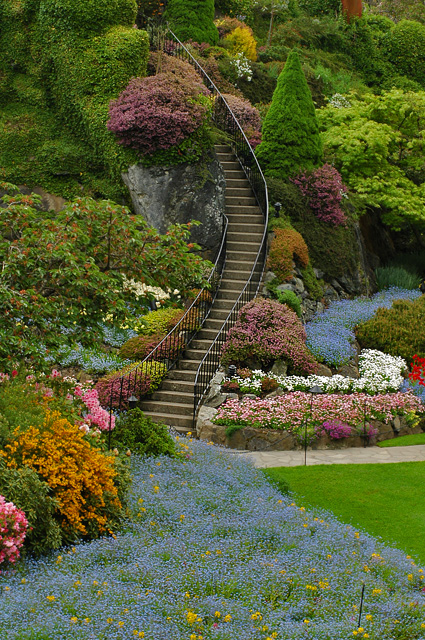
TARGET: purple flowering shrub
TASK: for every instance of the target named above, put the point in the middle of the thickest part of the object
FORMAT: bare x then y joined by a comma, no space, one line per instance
158,112
335,429
248,117
325,190
267,331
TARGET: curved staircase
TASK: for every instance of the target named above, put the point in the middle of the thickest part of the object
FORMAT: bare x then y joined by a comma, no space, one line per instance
173,403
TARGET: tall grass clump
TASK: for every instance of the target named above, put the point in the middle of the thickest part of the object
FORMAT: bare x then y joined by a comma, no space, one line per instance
396,276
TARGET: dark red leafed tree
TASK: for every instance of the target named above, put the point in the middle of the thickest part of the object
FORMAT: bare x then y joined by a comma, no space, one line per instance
352,8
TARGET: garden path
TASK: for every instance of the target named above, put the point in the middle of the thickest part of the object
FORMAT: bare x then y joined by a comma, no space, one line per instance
358,455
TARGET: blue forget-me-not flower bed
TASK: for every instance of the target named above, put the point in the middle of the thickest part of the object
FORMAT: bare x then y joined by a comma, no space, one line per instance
215,552
330,335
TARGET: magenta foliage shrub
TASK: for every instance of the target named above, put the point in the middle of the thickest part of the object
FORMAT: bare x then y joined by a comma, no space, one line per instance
335,429
267,331
157,112
116,385
325,190
248,117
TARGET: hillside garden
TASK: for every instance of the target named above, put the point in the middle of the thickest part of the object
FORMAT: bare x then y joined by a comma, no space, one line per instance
109,526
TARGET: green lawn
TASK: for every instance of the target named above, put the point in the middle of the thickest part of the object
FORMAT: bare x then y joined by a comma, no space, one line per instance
386,500
404,441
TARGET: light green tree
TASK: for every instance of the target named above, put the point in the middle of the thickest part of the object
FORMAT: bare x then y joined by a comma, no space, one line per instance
378,145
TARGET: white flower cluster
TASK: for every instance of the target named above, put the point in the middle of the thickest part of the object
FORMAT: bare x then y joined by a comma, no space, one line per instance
242,66
140,290
339,101
379,373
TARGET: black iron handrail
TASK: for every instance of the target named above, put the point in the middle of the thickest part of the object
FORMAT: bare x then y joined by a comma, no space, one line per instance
226,120
144,377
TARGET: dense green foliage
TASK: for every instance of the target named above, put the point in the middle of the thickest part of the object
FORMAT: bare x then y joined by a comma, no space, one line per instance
141,435
30,493
390,276
291,139
377,145
69,269
398,330
192,20
405,47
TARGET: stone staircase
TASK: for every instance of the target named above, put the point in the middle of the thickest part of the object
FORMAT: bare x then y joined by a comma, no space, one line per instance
172,404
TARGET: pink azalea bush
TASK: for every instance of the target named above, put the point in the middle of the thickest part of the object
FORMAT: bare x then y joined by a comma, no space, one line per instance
13,528
248,117
288,411
158,112
325,190
267,331
334,429
97,416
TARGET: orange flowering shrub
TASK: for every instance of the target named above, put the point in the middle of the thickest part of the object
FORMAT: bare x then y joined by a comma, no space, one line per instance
286,246
80,476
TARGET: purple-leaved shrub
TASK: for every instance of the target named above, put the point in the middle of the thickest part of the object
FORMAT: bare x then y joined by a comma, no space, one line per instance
158,112
325,190
267,331
248,117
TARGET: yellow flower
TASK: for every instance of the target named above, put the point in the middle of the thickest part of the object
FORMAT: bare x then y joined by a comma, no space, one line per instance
227,618
74,619
156,488
217,614
109,620
51,598
121,623
306,621
369,617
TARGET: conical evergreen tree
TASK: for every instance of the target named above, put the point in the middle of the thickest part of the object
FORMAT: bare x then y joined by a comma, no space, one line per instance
192,20
291,140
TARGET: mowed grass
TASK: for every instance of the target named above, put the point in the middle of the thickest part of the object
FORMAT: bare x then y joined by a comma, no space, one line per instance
386,500
404,441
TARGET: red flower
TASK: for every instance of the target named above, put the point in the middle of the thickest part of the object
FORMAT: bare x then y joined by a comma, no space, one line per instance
14,373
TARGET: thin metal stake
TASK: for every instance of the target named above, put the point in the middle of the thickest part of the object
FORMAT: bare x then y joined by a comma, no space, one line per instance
361,605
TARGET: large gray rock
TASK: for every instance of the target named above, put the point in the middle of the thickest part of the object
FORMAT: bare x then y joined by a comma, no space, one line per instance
171,195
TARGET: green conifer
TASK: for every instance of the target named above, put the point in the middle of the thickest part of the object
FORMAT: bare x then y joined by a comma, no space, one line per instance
192,20
291,140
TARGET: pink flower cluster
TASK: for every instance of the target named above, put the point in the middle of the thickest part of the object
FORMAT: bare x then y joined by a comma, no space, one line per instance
267,331
248,117
334,429
324,189
97,416
13,529
289,410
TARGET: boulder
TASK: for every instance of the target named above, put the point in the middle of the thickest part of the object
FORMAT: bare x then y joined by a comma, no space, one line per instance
177,195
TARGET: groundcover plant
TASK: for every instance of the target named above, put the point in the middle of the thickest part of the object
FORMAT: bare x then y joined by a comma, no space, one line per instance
215,552
330,335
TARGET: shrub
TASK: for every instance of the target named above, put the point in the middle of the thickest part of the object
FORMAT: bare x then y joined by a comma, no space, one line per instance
141,435
287,297
268,385
30,493
320,7
228,24
84,16
287,245
157,112
405,47
324,189
266,331
248,116
241,40
392,276
229,386
291,139
139,381
398,331
159,321
192,20
13,526
139,347
80,477
335,429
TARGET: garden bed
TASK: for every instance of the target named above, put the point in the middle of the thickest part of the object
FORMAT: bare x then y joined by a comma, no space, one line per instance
249,438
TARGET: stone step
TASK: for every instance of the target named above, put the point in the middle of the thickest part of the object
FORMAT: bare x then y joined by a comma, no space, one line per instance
236,265
181,375
248,242
230,165
223,304
210,333
172,396
200,344
181,423
232,285
222,148
246,227
177,385
230,294
235,174
247,209
241,256
238,192
236,183
188,364
174,408
195,355
240,200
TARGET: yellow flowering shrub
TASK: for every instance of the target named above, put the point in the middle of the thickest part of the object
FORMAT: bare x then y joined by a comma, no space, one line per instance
241,40
80,476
